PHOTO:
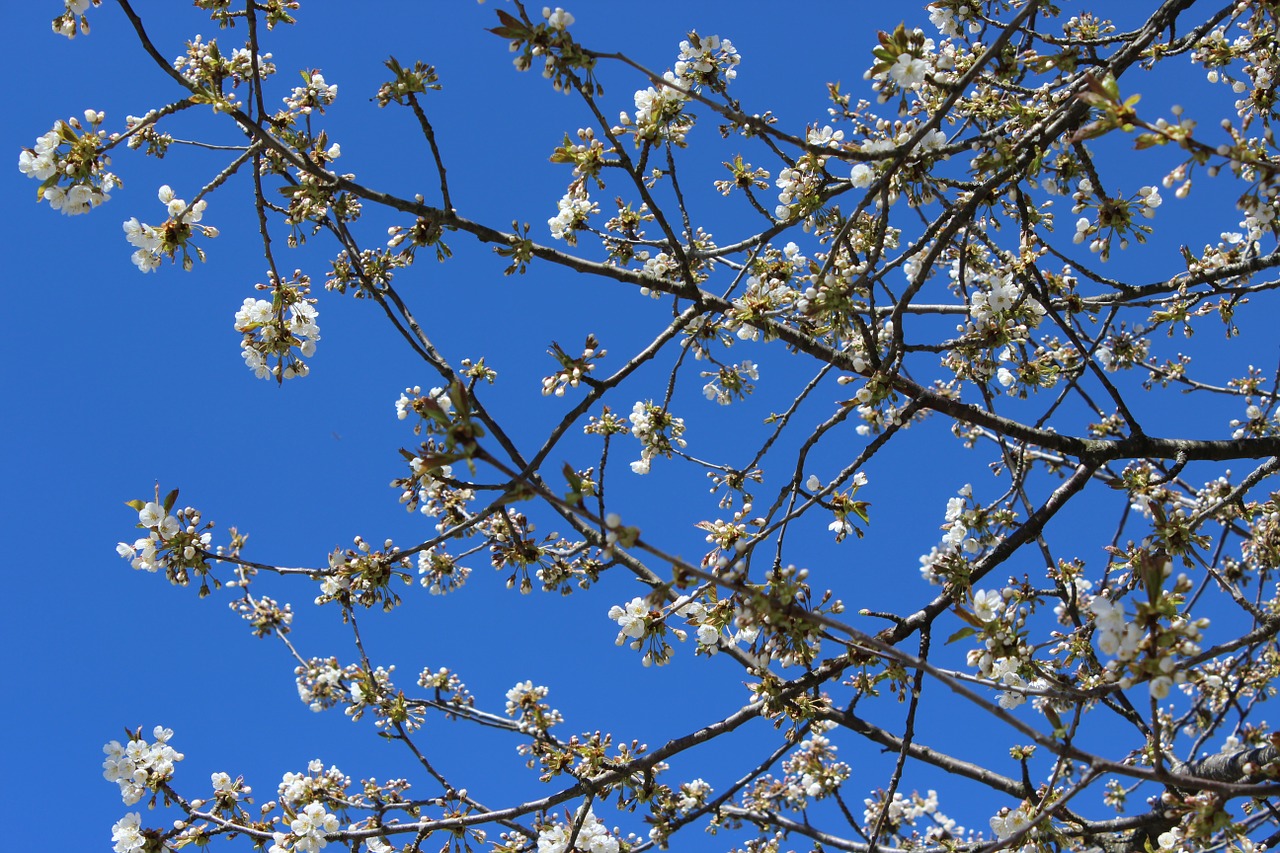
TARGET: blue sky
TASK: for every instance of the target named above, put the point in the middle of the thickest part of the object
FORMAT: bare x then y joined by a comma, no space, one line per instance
118,381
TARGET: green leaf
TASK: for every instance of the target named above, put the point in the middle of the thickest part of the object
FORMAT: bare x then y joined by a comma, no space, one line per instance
508,19
574,496
458,394
512,27
966,631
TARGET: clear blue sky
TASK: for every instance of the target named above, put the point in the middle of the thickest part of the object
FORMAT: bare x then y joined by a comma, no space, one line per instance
115,381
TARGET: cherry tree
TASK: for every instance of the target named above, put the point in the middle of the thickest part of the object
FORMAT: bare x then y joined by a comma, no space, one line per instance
959,259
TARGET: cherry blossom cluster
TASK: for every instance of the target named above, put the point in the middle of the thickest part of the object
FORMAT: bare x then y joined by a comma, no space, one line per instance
955,17
1262,547
901,811
768,293
363,575
824,137
448,687
177,542
156,242
1009,822
606,424
525,705
660,114
424,405
514,544
1243,63
127,833
812,771
644,627
1002,298
425,231
877,405
693,795
315,94
574,208
265,614
1232,246
662,266
1024,370
227,792
1149,647
208,66
659,432
308,831
905,61
565,565
142,131
886,142
430,490
140,766
445,416
439,571
572,370
562,59
1004,655
712,623
624,233
591,836
1114,217
842,504
730,538
774,618
1122,350
587,156
373,690
322,682
732,382
557,19
70,162
313,199
1116,635
671,807
278,333
73,21
707,61
969,528
315,785
801,189
1256,423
